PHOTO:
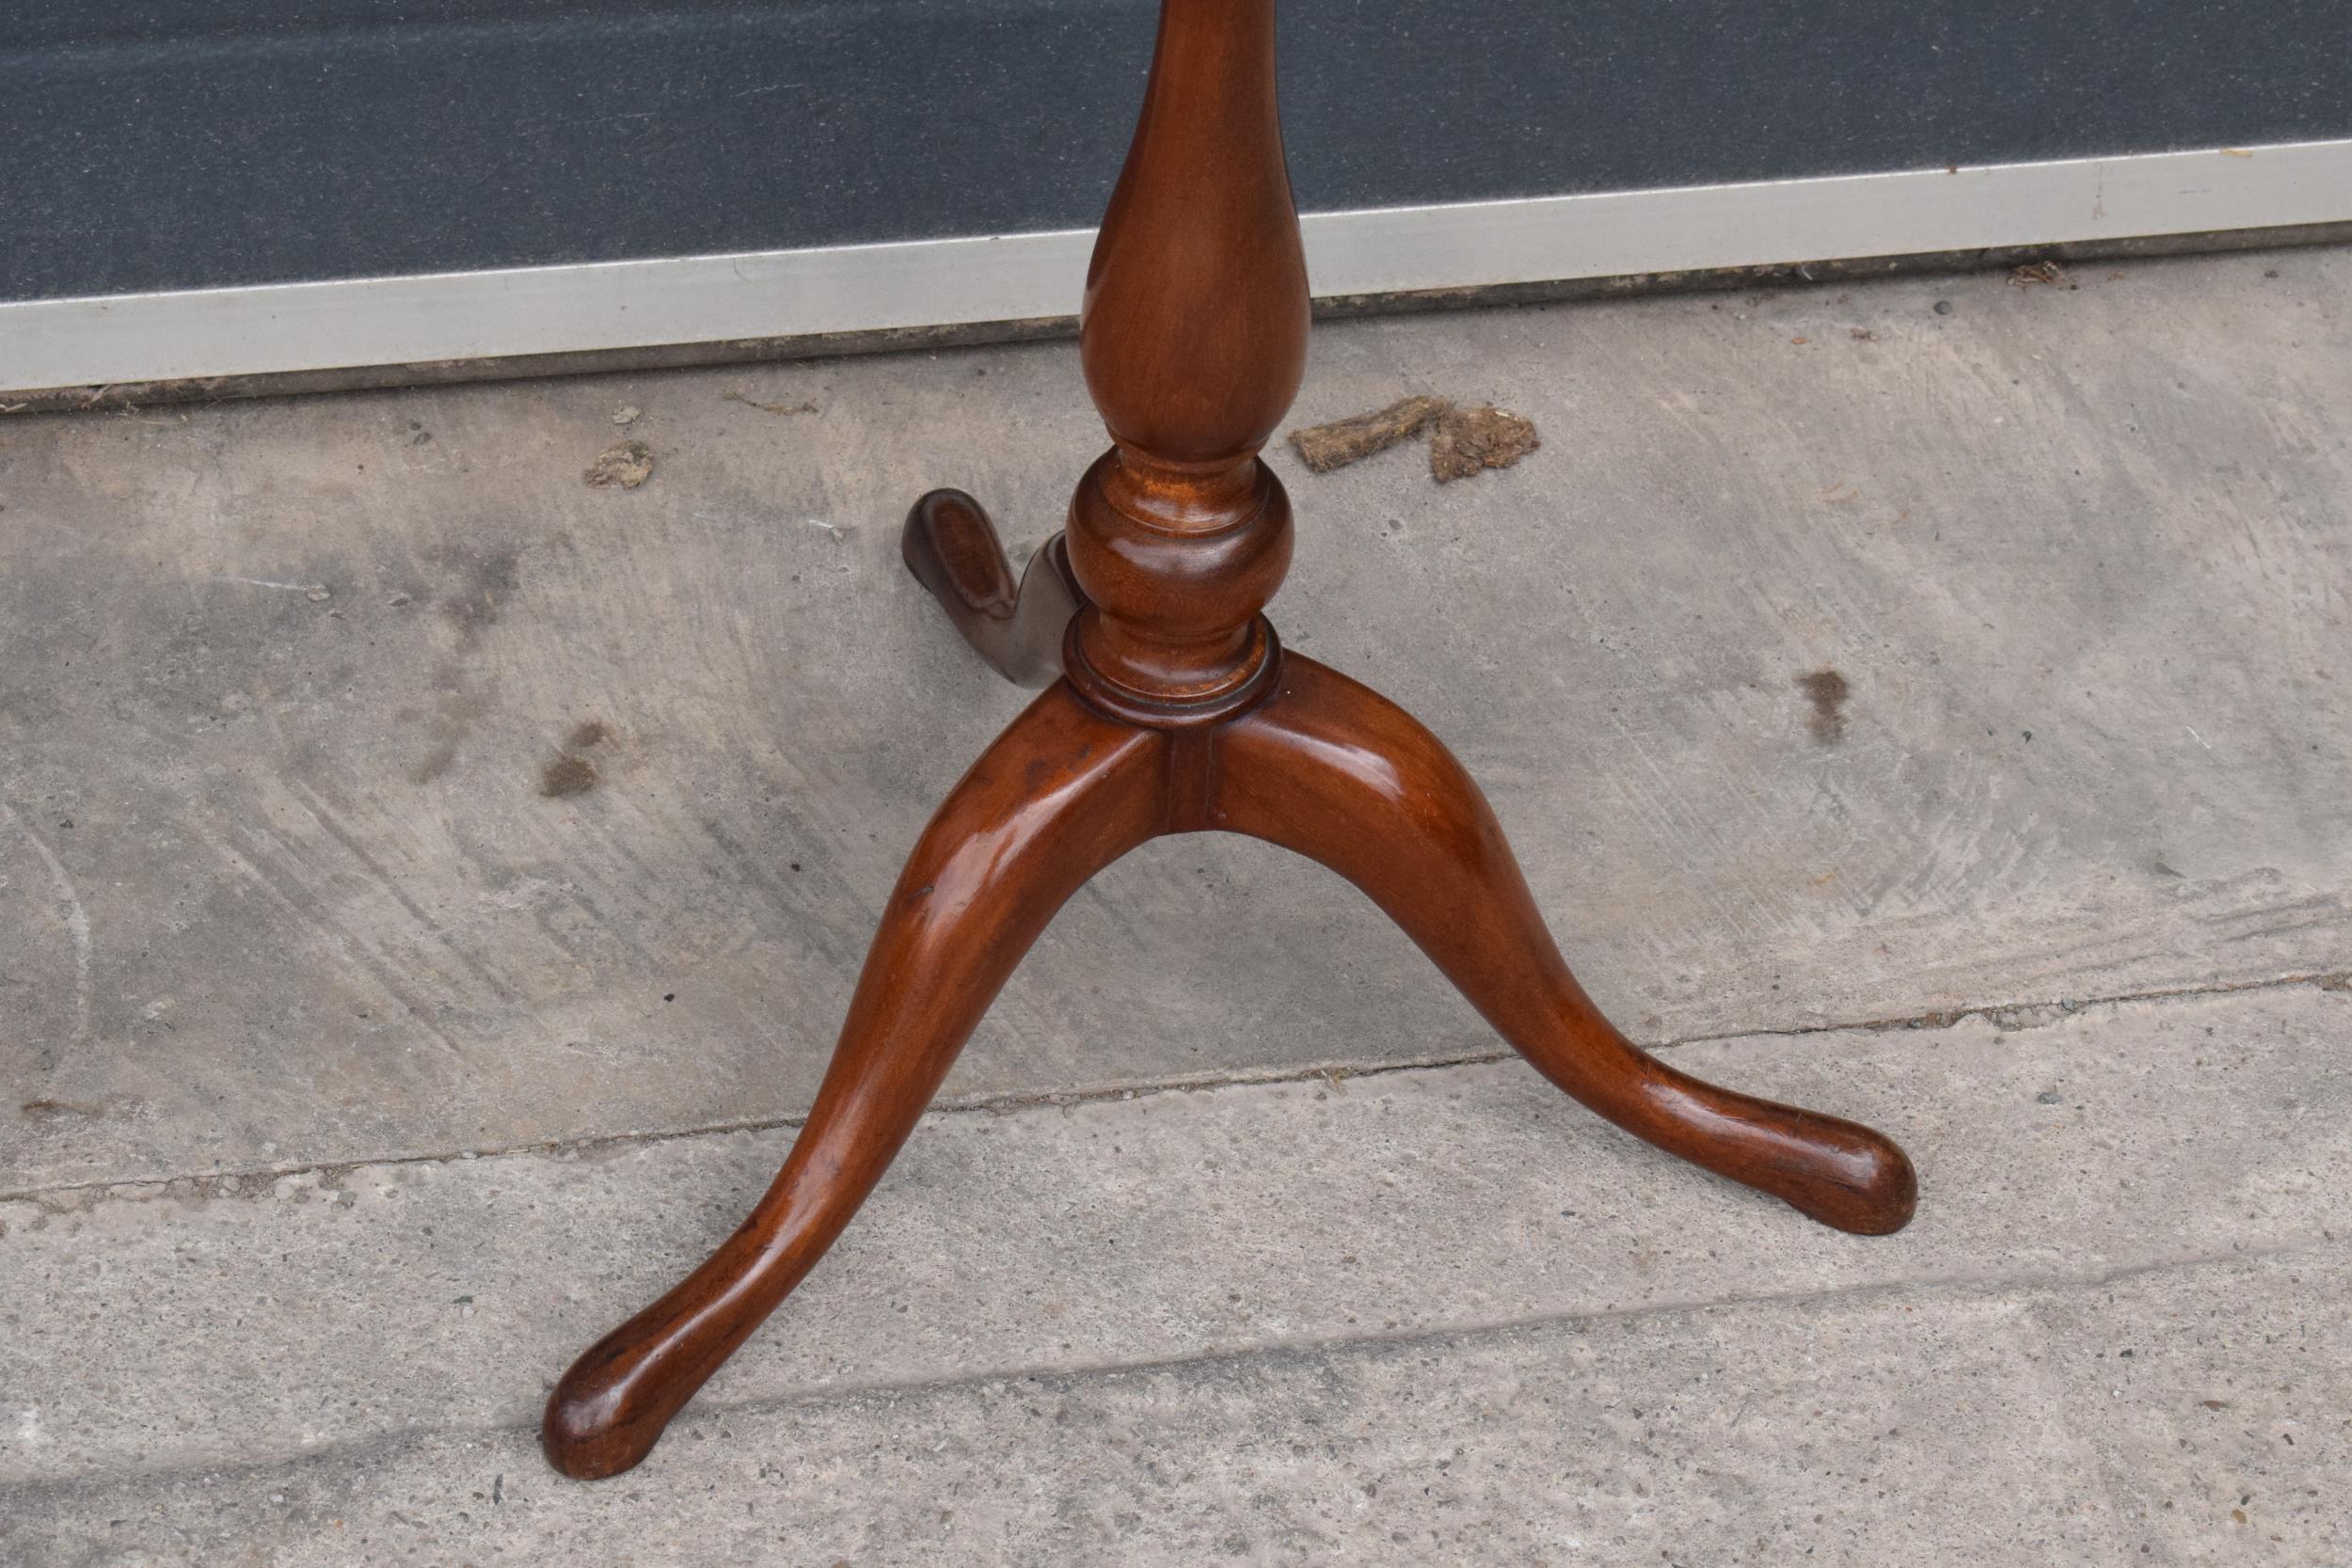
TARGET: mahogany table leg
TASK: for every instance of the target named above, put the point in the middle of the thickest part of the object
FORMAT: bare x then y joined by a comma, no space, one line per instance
1337,772
952,550
1062,794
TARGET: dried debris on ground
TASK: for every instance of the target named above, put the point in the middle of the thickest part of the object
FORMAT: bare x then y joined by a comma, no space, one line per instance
2041,272
1462,441
628,465
1472,439
1325,446
737,394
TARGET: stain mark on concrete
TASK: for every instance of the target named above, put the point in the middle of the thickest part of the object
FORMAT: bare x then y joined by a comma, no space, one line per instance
56,1110
567,774
1827,690
318,591
628,466
454,711
77,927
487,582
491,581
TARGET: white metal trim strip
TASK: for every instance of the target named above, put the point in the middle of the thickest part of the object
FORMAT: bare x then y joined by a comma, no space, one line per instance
694,299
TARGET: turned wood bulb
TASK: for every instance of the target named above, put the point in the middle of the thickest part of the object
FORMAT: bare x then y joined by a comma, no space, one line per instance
1194,332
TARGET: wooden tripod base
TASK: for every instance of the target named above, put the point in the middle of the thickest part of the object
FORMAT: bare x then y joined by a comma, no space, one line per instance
1316,764
1173,710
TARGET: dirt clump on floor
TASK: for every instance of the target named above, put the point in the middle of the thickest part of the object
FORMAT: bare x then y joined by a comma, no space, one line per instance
628,465
2041,272
737,394
1470,439
1462,441
1325,446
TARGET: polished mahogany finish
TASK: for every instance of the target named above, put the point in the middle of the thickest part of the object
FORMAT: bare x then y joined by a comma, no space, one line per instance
1062,794
1343,776
1194,341
952,548
1179,712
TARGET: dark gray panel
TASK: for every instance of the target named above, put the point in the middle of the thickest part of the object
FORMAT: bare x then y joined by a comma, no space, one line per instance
192,144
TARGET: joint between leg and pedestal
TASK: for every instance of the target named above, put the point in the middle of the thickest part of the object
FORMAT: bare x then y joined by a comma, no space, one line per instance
1234,693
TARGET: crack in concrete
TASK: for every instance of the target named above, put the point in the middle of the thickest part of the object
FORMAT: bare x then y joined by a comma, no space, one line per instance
1305,1347
1279,1352
2013,1016
79,1197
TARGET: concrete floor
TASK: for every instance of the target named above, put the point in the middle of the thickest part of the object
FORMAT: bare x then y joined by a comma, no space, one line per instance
354,1083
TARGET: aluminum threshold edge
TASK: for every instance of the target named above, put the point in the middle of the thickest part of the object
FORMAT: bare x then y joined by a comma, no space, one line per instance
605,305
